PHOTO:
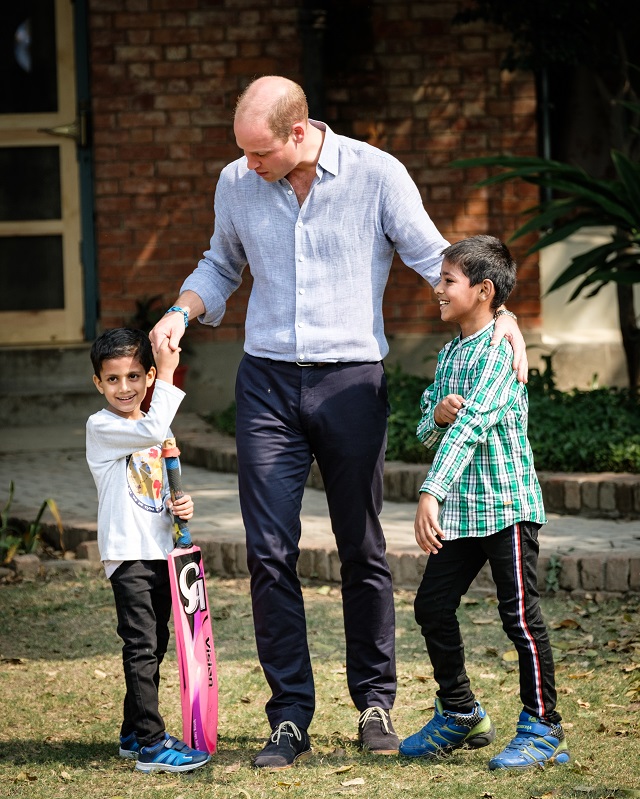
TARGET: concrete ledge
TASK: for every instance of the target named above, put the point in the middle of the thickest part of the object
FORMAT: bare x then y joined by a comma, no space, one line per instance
604,573
606,496
557,574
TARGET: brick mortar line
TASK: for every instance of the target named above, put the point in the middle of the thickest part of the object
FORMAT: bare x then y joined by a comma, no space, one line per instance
603,573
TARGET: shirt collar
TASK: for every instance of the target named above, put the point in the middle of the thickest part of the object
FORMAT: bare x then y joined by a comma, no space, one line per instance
328,160
477,334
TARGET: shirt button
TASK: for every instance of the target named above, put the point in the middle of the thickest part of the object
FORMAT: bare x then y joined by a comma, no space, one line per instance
290,191
301,357
300,324
300,291
301,258
299,224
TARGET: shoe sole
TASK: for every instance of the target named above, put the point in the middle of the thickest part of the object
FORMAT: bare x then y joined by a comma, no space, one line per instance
296,760
480,739
148,768
552,761
127,754
477,741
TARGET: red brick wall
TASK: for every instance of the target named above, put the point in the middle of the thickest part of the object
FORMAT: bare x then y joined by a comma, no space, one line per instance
165,77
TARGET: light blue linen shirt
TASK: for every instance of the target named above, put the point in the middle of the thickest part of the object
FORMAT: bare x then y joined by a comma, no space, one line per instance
319,271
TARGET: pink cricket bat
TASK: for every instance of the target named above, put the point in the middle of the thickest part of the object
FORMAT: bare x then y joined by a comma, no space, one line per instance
192,625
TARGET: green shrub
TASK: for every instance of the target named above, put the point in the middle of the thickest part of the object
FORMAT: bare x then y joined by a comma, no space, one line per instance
405,391
584,431
570,431
18,537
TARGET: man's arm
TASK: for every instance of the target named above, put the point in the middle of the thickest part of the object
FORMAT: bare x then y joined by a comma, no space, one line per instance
172,325
507,327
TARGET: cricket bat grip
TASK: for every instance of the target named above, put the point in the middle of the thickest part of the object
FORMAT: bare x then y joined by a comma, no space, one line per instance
171,455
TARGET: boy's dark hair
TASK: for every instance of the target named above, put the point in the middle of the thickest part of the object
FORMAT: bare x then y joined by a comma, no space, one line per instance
485,258
118,343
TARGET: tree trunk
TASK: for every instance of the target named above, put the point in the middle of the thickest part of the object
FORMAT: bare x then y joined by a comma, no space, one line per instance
630,334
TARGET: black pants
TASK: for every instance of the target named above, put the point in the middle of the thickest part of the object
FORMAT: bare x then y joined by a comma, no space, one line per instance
513,557
143,605
287,415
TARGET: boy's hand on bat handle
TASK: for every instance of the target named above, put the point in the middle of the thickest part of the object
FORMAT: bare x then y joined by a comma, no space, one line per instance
182,507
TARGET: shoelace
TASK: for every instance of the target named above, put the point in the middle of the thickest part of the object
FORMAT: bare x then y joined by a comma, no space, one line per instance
279,730
374,713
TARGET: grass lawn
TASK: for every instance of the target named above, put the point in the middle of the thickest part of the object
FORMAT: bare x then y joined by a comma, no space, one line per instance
61,690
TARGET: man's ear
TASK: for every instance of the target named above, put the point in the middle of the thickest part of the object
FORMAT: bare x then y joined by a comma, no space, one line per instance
298,131
98,384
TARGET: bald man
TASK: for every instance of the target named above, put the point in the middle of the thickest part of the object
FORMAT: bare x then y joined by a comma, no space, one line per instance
318,217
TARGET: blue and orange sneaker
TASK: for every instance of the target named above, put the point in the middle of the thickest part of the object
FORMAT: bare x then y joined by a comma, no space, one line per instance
170,754
129,746
448,731
536,743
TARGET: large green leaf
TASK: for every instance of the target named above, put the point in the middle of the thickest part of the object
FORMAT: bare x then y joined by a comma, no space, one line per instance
601,194
629,173
563,231
543,216
583,263
585,201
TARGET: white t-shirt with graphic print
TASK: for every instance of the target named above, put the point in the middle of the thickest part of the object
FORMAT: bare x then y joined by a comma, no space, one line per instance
124,456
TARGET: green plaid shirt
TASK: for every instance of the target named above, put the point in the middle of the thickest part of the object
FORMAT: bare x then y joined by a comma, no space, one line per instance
483,471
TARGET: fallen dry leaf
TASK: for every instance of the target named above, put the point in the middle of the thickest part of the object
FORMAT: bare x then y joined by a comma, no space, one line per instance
25,776
581,675
342,769
510,656
566,624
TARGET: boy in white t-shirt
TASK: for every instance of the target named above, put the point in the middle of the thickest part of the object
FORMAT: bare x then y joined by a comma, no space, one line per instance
135,530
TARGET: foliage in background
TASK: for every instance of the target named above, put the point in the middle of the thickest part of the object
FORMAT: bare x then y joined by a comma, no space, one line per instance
590,52
17,538
597,430
584,201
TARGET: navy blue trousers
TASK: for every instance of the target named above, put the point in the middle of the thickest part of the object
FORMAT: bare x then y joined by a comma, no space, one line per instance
288,415
513,558
143,604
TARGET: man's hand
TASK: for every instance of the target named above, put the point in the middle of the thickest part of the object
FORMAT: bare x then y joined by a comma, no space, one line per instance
507,327
426,526
171,327
447,409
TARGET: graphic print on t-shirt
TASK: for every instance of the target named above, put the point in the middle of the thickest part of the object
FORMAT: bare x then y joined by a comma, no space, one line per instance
144,479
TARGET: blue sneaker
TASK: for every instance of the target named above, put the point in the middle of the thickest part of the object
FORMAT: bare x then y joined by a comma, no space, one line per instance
448,731
129,746
535,744
170,754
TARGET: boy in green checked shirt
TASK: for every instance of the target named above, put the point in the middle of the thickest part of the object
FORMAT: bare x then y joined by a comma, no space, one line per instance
480,502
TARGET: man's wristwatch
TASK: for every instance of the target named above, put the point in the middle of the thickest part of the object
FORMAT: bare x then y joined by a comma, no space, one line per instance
182,311
504,312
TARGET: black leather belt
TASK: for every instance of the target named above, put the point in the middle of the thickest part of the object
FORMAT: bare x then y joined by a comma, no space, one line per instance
315,363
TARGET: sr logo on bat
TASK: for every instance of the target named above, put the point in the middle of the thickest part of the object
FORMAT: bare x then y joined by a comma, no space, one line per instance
192,589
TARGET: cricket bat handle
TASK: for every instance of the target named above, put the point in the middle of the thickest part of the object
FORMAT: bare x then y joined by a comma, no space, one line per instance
171,455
